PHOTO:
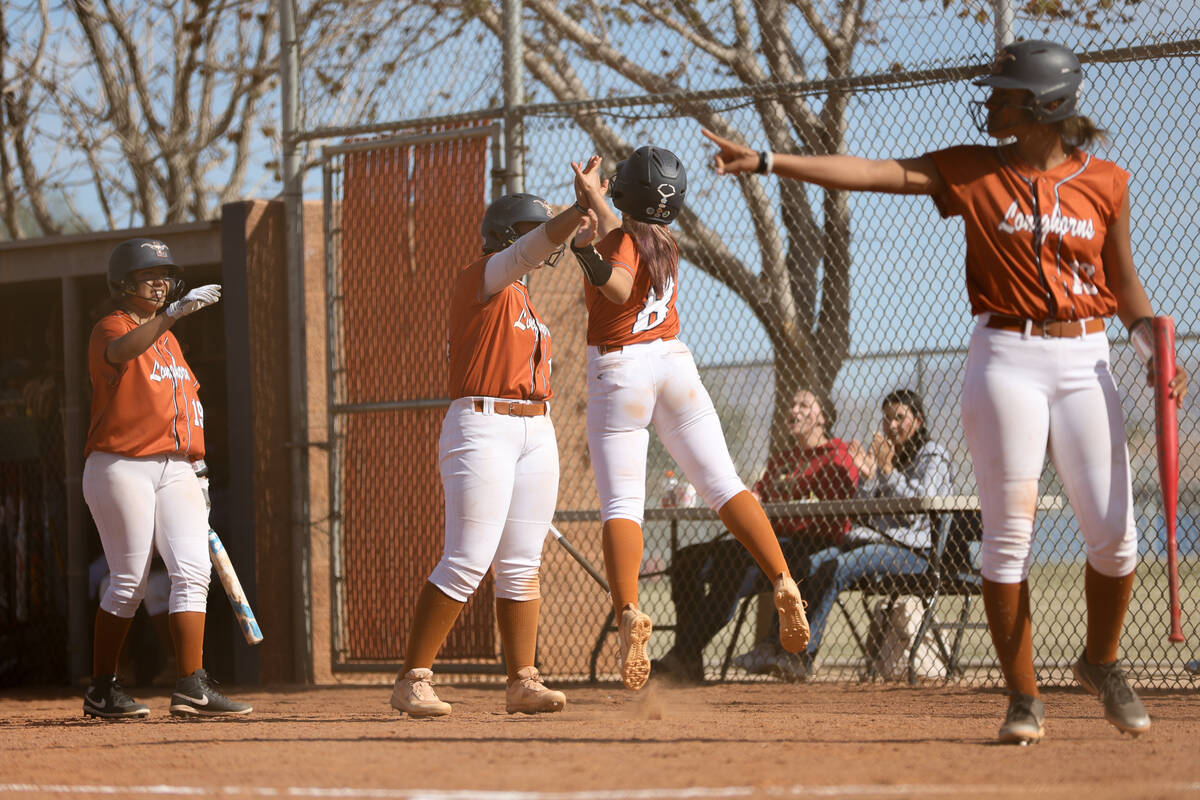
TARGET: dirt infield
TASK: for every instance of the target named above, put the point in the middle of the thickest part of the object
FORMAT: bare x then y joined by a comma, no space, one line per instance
723,740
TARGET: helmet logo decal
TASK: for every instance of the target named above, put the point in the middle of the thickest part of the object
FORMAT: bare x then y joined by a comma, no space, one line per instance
158,248
542,204
665,192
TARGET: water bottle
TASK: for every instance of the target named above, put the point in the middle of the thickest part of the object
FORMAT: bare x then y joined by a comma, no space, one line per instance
670,497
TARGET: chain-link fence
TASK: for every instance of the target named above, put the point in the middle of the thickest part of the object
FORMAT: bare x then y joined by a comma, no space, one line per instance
781,286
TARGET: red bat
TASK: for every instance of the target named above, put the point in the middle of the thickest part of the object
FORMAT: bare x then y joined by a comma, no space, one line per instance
1166,429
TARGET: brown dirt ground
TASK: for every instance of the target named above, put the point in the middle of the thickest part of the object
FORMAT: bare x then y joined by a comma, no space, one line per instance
719,740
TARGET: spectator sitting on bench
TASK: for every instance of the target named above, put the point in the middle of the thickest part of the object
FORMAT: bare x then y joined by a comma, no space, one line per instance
708,579
900,462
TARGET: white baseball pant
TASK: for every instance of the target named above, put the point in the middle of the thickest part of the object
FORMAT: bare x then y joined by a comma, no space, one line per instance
655,382
500,475
1022,394
140,504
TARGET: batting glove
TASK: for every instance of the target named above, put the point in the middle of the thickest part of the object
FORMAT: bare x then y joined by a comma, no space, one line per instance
194,300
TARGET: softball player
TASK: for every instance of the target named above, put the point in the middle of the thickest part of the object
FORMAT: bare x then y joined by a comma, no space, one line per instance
638,372
147,426
1048,259
497,454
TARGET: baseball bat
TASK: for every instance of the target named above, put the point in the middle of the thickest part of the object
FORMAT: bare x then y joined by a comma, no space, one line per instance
1166,430
579,557
233,589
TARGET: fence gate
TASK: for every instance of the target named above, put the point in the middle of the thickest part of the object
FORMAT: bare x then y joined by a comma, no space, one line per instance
401,217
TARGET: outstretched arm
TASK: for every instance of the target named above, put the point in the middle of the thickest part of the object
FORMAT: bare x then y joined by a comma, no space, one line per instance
896,176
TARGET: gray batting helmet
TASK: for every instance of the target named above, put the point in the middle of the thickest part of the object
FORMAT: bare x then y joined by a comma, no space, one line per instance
499,226
1049,71
132,255
650,185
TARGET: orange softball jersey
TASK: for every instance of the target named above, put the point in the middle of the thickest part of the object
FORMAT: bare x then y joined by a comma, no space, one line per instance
498,347
1034,239
645,316
147,406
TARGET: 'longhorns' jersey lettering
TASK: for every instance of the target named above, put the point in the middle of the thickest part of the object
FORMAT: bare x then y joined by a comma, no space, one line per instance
1014,220
161,372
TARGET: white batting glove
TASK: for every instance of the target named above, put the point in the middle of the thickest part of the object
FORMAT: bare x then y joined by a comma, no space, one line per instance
194,300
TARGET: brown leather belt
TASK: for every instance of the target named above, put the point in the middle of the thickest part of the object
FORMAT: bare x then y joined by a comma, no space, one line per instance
535,409
1057,328
606,349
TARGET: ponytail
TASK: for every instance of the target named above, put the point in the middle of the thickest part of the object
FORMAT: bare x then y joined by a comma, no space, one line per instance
1080,131
657,249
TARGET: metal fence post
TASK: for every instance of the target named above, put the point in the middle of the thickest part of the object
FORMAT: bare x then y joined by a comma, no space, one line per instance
293,214
514,97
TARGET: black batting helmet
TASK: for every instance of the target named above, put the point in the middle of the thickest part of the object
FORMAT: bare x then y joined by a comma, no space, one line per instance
499,225
132,255
650,185
1049,71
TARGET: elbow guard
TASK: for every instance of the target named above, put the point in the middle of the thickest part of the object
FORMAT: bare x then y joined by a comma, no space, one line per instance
593,265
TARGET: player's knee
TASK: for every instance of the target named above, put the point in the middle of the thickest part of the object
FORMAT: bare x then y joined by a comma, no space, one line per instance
1115,557
1004,556
716,494
456,580
518,584
189,590
122,599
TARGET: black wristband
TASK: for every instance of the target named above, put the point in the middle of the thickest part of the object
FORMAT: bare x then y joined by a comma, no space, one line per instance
597,270
761,169
1140,320
580,208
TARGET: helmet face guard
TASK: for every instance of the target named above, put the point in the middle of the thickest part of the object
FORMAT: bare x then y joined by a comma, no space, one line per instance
500,220
133,255
650,185
1049,72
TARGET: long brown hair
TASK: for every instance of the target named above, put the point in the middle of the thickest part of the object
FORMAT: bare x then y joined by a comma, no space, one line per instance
1081,131
657,249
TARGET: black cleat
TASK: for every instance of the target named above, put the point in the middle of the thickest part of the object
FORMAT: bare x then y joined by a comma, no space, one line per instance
196,695
106,699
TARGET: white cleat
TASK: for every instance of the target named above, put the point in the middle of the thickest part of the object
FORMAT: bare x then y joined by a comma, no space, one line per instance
413,694
793,625
632,634
528,695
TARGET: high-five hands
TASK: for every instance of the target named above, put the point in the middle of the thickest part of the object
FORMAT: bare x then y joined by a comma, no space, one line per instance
194,300
589,188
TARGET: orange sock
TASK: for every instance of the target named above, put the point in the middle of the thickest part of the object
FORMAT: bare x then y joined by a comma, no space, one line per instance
518,621
622,561
1107,601
187,631
433,618
746,520
1007,606
108,637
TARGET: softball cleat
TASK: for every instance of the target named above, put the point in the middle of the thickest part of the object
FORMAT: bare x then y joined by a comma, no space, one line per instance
106,699
413,694
196,695
528,695
1023,724
1122,707
793,625
632,634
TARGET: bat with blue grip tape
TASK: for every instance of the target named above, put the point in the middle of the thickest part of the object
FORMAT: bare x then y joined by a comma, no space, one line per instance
229,579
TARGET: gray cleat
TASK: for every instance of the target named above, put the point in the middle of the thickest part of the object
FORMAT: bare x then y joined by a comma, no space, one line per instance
1122,707
1023,722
